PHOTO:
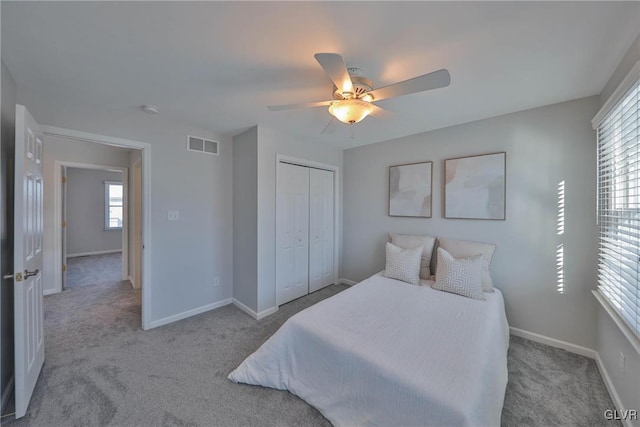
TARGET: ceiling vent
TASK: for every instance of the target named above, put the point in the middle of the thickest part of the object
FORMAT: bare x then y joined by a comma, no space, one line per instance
202,145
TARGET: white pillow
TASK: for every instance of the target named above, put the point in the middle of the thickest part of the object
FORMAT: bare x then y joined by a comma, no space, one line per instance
407,241
463,249
403,264
460,276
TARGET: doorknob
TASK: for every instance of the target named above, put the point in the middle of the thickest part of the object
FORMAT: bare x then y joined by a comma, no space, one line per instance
8,276
28,273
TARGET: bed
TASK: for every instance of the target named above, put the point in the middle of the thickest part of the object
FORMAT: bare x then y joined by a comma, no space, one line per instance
385,352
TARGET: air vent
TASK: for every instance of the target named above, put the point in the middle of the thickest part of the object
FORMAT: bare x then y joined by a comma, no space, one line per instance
202,145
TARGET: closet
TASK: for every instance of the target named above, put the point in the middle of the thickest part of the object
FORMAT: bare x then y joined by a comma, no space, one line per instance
304,230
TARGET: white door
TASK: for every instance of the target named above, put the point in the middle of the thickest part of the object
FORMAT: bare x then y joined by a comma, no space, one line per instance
320,229
292,232
29,321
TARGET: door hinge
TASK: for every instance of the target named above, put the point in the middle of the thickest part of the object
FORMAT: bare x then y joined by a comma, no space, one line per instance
64,179
64,223
64,267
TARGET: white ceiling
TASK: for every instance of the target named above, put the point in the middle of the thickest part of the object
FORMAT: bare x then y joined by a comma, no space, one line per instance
218,65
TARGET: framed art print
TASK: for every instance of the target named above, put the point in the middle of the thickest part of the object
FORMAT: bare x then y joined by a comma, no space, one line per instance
475,187
410,190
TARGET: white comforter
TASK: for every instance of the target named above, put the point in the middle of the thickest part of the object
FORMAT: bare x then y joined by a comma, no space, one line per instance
392,354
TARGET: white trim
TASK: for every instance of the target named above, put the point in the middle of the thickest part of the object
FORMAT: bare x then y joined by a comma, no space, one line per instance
146,202
616,96
130,279
110,251
573,348
252,313
60,205
6,394
622,325
336,209
611,389
347,282
189,313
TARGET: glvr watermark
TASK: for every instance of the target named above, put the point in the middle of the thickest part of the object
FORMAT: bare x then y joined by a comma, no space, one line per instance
627,414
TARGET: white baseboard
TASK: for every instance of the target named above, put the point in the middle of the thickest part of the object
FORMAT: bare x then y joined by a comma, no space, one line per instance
110,251
612,390
347,282
583,351
50,292
6,394
252,313
189,313
133,284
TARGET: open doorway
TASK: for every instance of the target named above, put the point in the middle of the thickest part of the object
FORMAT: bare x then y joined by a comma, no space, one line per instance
120,197
93,224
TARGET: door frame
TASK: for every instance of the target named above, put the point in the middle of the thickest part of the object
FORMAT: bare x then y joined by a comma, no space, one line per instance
60,205
282,158
145,149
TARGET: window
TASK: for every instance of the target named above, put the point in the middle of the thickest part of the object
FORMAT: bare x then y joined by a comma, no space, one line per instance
113,205
619,205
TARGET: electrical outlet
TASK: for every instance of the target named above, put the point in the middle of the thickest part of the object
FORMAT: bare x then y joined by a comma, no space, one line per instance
216,281
621,363
173,216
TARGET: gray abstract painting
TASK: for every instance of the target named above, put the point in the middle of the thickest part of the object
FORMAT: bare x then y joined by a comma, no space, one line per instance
410,190
475,187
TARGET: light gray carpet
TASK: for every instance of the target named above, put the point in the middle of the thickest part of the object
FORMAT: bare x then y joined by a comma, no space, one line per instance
101,369
93,270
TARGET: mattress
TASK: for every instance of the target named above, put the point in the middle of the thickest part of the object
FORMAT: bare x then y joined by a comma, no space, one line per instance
388,353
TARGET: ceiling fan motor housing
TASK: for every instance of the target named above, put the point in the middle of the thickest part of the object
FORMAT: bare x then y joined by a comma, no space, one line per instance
361,85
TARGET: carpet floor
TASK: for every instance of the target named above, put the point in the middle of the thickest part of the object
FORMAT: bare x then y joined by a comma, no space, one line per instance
92,270
102,369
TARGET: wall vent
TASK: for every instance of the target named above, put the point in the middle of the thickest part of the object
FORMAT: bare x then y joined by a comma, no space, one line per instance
202,145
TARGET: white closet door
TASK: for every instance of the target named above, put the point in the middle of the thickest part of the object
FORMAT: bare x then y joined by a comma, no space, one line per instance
320,229
292,232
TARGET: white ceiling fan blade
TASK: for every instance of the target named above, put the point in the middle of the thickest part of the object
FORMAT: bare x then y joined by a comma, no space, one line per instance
302,105
334,66
434,80
380,113
331,127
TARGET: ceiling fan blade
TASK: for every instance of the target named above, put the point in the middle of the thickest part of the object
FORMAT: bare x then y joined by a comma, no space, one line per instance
331,127
380,113
334,66
302,105
434,80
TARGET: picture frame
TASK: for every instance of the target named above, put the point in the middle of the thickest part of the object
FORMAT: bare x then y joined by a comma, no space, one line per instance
411,189
475,187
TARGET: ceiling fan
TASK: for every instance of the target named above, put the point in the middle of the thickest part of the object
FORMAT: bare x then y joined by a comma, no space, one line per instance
354,95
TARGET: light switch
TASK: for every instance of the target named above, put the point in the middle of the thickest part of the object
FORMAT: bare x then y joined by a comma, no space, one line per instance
173,216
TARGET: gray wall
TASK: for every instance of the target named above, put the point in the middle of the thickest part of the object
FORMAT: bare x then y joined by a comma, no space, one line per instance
610,340
544,147
86,211
245,218
7,154
254,175
186,255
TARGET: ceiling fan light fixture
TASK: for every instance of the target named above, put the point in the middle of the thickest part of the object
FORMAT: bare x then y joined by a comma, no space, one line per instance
350,111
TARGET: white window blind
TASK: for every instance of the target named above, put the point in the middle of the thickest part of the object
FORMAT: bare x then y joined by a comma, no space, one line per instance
619,207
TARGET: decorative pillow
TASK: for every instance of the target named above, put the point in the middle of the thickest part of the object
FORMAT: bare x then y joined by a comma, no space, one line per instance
463,249
403,264
460,276
407,241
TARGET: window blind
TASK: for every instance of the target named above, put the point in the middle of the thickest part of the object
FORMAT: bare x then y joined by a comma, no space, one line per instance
619,207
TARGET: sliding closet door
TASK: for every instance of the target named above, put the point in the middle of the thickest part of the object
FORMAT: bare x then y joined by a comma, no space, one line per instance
292,232
320,229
